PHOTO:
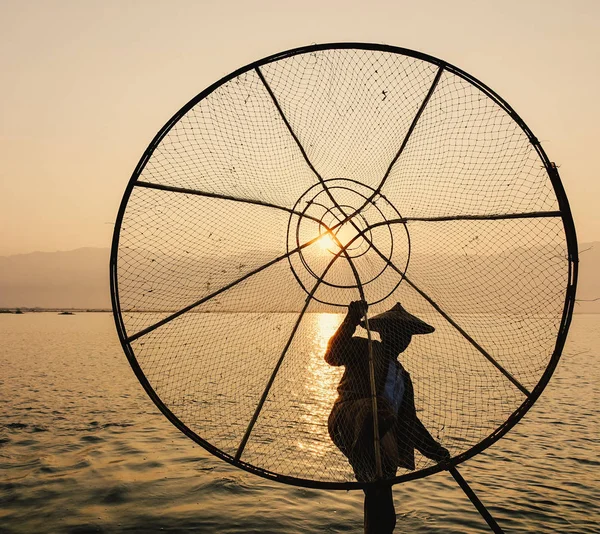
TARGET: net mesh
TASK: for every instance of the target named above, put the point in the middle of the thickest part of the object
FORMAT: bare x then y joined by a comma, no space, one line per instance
317,180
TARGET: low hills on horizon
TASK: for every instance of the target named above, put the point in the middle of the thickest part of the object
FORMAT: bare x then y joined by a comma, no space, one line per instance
79,279
74,279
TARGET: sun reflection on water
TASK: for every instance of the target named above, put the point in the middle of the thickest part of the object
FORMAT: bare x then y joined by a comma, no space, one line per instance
320,385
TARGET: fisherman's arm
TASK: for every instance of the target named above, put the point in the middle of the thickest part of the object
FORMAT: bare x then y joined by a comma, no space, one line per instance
341,345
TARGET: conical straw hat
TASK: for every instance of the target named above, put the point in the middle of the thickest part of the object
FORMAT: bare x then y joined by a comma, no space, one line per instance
400,318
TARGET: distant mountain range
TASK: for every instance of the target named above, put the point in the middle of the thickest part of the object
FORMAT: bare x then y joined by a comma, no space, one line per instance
71,279
79,279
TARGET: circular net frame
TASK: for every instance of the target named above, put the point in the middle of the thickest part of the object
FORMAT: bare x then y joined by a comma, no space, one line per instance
321,176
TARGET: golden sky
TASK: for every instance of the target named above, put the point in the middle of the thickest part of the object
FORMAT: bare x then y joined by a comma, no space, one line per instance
87,84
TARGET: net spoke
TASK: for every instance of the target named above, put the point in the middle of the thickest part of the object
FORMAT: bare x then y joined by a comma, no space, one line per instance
287,124
410,129
402,146
372,385
186,309
491,217
219,196
484,352
267,389
197,303
295,137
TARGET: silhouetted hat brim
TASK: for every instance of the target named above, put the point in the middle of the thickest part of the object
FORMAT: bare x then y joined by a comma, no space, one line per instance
398,318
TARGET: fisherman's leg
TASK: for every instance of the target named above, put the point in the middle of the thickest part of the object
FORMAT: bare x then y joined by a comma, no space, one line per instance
363,422
380,515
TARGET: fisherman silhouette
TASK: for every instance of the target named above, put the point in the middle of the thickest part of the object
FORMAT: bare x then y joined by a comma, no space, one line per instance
351,419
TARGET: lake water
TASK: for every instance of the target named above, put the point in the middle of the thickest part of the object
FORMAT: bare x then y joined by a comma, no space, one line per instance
83,449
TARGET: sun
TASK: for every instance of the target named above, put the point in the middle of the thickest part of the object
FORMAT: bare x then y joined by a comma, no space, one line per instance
326,243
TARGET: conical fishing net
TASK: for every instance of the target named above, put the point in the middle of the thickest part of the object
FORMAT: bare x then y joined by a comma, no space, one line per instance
324,176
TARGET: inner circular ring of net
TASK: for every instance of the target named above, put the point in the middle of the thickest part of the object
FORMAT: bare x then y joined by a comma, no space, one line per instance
356,228
345,234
